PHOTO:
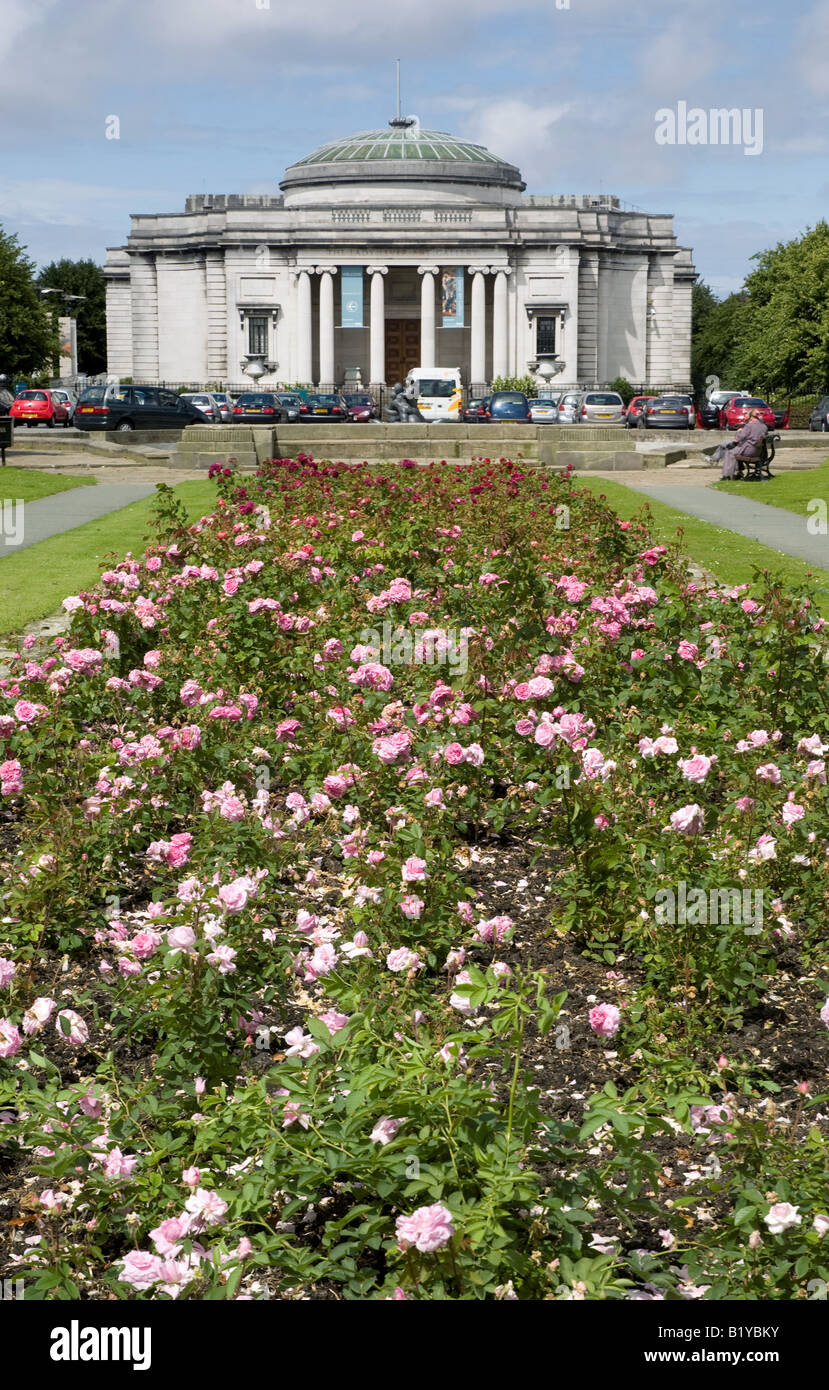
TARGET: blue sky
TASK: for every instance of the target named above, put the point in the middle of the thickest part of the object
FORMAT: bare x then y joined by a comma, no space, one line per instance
221,95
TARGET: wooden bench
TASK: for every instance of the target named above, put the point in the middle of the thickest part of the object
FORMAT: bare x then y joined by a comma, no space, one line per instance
758,469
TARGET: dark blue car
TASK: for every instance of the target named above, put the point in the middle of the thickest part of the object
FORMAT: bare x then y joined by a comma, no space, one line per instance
510,405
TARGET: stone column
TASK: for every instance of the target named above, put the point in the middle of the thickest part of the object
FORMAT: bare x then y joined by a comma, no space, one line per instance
216,289
377,352
428,342
304,360
144,309
327,272
477,362
500,338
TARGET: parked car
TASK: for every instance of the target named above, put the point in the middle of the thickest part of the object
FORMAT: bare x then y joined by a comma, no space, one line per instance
225,405
69,400
33,407
690,407
568,408
322,406
291,405
543,412
819,418
474,412
206,403
601,407
710,410
735,413
360,406
635,410
258,407
125,408
666,413
509,405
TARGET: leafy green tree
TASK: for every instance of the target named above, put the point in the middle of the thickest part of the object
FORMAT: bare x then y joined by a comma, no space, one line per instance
622,387
87,279
718,342
784,345
28,336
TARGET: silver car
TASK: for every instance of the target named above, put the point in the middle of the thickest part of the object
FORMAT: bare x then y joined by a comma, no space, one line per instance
601,408
568,408
543,412
69,401
206,403
225,405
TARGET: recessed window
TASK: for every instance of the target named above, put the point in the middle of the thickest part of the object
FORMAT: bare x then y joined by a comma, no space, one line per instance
545,334
258,334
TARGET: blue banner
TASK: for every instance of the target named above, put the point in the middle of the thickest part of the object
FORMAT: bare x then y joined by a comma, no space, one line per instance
452,282
351,296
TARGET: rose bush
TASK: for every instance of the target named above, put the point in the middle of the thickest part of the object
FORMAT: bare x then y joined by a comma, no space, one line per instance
292,1047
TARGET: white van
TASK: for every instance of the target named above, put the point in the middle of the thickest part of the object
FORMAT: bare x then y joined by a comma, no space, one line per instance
438,391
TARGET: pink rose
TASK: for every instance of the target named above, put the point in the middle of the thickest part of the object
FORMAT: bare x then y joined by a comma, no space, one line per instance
427,1229
402,959
604,1019
696,769
385,1129
414,870
454,754
181,939
688,820
71,1027
10,1039
140,1270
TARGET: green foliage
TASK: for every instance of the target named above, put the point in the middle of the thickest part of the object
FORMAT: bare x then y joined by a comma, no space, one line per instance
87,279
624,389
28,335
525,383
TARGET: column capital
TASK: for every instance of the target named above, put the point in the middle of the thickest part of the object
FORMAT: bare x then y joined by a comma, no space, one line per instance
478,269
377,269
297,270
326,269
428,270
501,269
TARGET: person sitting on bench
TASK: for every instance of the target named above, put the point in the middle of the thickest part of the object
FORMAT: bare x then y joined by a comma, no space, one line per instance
745,448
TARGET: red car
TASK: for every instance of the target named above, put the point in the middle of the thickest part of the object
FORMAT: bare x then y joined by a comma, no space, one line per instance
735,413
40,407
635,410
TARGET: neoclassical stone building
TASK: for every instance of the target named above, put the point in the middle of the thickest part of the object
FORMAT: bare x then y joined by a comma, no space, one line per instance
395,248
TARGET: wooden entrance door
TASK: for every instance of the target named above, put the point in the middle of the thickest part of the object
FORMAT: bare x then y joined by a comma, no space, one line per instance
402,348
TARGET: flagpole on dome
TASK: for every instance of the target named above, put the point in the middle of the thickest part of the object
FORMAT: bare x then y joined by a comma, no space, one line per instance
400,122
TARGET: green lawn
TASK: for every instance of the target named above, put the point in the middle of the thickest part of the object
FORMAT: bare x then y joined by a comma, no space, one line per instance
35,581
728,556
791,491
28,484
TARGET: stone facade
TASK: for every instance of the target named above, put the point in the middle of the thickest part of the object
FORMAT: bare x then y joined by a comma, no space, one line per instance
575,289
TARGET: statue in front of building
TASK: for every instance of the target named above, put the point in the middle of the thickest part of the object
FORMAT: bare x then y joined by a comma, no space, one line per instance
402,408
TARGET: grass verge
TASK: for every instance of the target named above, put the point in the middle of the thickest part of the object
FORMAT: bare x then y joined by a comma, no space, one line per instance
34,582
791,491
28,484
730,557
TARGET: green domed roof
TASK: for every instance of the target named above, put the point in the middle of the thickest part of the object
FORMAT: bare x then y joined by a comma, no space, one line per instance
400,152
402,142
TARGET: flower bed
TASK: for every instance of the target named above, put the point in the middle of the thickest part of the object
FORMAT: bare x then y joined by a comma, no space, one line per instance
353,827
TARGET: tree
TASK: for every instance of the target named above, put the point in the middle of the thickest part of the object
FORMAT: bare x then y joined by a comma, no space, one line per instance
784,346
28,337
703,306
87,279
623,388
718,339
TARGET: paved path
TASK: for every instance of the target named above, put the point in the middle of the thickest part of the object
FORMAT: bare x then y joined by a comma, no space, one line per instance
50,516
785,532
